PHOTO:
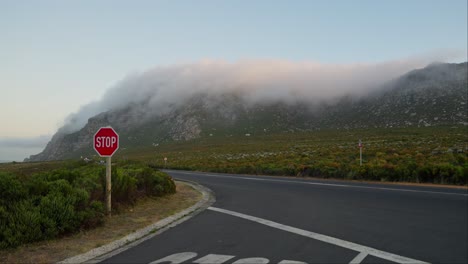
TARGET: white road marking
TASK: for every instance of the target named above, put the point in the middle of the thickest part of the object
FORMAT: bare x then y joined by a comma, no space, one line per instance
323,238
252,261
359,258
213,259
320,184
176,258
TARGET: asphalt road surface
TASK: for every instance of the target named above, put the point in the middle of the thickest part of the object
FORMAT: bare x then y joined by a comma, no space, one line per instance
288,220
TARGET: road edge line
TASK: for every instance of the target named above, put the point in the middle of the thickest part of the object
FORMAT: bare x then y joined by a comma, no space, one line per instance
255,178
106,251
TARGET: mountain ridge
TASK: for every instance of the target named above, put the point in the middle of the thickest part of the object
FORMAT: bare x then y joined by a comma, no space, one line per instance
433,96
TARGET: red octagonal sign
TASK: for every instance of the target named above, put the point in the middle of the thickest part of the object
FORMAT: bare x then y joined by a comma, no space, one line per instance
106,141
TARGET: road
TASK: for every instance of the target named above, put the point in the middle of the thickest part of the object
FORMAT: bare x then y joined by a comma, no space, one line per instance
274,219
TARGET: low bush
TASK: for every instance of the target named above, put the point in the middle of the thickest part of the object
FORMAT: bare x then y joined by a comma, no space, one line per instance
51,204
429,155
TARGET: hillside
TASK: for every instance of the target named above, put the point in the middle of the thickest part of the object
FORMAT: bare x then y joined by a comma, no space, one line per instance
433,96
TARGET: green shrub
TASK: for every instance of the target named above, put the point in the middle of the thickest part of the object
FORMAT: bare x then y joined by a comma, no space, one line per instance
124,187
61,211
20,224
49,204
155,183
93,215
11,189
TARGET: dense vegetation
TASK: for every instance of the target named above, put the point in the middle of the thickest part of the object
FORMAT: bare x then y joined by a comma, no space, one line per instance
50,203
45,200
423,155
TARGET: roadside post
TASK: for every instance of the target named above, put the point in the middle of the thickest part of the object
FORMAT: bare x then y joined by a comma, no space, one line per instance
106,143
360,152
165,162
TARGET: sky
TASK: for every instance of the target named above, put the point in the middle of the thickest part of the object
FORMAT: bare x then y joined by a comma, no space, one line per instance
57,56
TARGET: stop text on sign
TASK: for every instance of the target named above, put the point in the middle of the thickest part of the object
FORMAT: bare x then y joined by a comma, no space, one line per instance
106,141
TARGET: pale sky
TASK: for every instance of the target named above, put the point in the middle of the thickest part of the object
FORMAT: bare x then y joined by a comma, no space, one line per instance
56,56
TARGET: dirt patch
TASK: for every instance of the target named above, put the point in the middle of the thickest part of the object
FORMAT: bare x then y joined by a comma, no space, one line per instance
145,212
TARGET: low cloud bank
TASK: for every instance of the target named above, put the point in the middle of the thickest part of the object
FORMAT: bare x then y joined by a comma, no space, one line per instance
31,142
15,149
161,89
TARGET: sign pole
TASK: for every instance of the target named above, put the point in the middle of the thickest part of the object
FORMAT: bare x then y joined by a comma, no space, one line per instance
106,143
108,186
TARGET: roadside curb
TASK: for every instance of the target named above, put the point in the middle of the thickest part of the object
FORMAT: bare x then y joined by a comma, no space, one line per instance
101,253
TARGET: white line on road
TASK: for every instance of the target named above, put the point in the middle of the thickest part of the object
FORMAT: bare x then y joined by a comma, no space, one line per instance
176,258
252,261
320,184
323,238
359,258
213,259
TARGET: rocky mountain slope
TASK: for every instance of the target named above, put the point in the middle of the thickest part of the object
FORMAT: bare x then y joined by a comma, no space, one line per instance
433,96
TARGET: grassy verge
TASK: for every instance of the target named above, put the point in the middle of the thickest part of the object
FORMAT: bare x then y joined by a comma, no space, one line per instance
28,168
433,155
145,212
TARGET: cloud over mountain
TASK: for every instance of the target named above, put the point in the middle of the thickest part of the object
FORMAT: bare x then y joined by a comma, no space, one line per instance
162,89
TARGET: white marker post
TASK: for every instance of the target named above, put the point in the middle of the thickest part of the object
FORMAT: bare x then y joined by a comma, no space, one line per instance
360,152
165,162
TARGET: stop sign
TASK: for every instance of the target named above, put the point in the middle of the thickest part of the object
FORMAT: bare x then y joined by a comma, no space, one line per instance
106,141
